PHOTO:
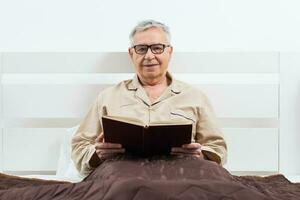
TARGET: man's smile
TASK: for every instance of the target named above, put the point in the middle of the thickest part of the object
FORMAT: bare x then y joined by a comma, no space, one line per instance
150,64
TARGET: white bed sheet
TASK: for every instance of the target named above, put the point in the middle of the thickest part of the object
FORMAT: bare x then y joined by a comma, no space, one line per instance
293,178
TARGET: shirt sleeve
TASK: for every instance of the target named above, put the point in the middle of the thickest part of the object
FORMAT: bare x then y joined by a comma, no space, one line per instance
209,135
83,142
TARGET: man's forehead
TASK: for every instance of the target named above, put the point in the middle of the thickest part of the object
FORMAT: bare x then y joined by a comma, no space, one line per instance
150,36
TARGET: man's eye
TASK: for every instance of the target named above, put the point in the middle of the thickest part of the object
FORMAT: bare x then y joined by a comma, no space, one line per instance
142,48
157,48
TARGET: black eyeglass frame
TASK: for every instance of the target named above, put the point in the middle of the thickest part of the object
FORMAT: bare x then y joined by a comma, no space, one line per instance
150,46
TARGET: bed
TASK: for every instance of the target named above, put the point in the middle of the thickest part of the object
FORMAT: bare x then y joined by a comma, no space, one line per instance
48,82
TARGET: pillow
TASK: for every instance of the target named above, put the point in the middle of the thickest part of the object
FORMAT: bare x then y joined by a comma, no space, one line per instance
66,168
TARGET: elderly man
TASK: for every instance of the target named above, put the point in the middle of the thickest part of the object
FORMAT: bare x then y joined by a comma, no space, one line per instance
151,96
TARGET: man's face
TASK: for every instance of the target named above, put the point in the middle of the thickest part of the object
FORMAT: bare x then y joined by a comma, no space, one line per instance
150,66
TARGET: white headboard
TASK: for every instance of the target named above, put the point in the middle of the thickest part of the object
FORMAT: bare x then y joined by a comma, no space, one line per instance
42,94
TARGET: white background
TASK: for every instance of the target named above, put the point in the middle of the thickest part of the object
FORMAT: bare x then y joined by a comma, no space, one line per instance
198,25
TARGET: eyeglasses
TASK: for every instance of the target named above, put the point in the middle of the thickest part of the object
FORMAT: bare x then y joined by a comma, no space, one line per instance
155,48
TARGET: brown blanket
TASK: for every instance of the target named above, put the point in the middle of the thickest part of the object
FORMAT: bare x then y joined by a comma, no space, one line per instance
155,178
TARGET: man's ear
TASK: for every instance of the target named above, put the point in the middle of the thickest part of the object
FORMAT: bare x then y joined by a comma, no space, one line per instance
130,52
171,50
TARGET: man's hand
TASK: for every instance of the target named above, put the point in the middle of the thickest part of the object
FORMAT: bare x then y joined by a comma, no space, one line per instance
193,149
107,150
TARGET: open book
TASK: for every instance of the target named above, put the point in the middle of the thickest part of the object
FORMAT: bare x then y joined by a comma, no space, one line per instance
146,140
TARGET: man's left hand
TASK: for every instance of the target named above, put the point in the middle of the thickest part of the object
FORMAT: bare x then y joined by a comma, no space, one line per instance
193,149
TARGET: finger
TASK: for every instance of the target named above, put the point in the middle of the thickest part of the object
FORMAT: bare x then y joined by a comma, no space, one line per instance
109,155
174,149
109,151
100,138
106,145
186,151
184,154
179,149
200,156
176,154
191,146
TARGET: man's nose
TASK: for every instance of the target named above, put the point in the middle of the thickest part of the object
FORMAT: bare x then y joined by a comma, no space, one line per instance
149,55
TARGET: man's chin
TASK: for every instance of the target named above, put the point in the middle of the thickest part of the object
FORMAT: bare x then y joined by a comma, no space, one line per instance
152,69
151,75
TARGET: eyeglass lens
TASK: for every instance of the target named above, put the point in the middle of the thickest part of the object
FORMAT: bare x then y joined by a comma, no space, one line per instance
155,48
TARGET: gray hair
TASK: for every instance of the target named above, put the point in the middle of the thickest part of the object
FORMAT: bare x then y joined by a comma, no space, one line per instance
147,24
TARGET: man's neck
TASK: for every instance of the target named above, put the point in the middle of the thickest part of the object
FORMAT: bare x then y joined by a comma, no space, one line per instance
155,89
159,82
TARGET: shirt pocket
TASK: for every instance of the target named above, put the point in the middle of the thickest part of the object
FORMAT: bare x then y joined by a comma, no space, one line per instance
184,116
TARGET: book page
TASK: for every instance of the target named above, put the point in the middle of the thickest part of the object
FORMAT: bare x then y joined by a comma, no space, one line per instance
140,123
165,123
126,120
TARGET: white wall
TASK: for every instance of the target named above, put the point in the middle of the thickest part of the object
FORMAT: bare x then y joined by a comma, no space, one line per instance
1,114
290,113
103,25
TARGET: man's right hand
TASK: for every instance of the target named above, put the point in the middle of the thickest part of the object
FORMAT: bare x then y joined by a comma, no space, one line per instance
106,150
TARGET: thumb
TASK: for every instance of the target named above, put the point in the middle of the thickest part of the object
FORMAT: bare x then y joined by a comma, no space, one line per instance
100,137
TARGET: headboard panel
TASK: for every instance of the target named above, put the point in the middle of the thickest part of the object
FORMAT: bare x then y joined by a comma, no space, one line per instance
44,93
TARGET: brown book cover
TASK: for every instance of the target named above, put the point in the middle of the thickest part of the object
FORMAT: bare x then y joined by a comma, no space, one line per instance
146,140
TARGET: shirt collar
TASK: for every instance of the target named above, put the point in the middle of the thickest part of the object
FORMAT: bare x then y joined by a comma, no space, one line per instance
174,85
